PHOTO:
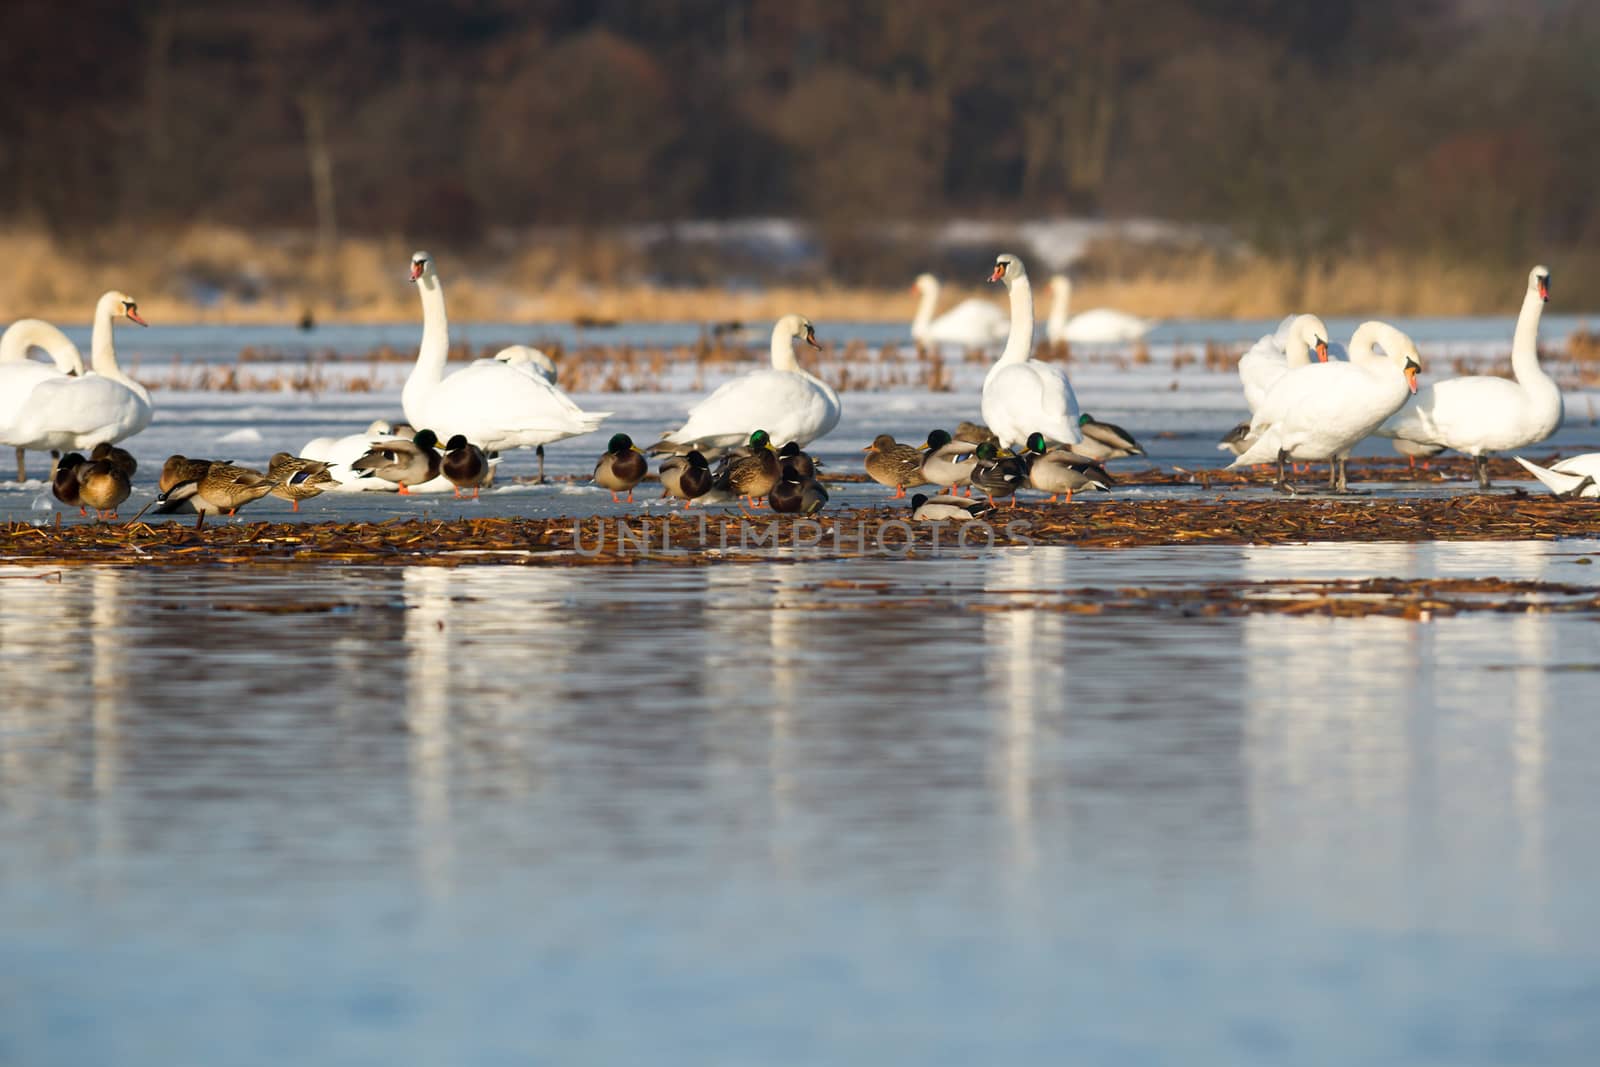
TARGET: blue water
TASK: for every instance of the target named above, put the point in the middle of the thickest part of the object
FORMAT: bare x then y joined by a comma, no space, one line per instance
880,811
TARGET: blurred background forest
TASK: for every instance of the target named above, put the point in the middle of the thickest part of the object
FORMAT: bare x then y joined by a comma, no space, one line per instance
1408,157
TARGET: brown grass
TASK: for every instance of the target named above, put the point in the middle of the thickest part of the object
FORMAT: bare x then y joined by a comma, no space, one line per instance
276,278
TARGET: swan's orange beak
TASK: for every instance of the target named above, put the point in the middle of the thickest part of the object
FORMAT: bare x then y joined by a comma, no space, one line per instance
811,339
1544,289
1322,350
133,316
999,272
1411,374
416,269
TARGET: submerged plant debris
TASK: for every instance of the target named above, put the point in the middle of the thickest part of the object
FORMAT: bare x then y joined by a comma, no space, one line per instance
700,536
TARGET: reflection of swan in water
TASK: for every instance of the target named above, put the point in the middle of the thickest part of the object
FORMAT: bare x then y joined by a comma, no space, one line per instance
108,670
1381,750
470,632
1024,669
41,623
1326,731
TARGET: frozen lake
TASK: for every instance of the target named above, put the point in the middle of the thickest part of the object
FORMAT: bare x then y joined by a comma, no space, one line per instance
867,812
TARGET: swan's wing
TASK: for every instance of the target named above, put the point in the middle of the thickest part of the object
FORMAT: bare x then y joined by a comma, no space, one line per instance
80,405
491,402
789,406
1455,411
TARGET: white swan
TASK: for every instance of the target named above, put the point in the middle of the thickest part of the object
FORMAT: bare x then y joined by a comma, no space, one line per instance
972,323
785,401
1482,414
494,404
1320,412
1575,477
1275,354
1022,395
1096,326
77,413
19,374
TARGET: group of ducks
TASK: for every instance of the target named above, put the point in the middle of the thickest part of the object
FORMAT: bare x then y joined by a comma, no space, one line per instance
975,458
1314,400
752,472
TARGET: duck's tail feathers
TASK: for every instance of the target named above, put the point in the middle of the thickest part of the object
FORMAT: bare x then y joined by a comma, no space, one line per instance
1558,482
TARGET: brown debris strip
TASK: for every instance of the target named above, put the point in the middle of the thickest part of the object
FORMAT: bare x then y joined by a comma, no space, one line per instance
707,536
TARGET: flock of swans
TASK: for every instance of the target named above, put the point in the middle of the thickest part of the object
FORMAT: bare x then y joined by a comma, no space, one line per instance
1311,399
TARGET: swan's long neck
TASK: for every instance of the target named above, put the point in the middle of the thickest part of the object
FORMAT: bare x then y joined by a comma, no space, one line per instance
435,348
1060,304
1395,344
102,352
26,334
925,306
1297,353
783,347
1525,341
1019,342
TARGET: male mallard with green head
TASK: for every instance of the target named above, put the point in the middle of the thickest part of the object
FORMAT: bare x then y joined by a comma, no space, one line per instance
465,465
1056,470
753,476
621,468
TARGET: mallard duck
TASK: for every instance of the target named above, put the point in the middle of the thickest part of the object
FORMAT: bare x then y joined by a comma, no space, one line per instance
975,433
710,451
685,477
103,485
621,468
998,476
796,494
64,484
752,476
405,463
948,508
179,469
893,464
1102,440
120,458
792,457
1057,471
298,479
223,487
948,462
465,465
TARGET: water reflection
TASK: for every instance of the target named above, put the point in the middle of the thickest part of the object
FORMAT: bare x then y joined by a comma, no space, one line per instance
793,784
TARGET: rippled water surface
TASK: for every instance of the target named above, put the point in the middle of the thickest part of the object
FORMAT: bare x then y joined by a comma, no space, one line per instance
877,811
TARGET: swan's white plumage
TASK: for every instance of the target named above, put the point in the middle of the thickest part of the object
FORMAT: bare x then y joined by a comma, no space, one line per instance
1095,326
972,323
19,374
1277,353
1022,395
530,360
67,413
495,404
1576,476
1321,411
785,401
1480,414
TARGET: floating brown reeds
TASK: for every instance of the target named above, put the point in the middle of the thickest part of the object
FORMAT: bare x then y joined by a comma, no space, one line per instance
706,536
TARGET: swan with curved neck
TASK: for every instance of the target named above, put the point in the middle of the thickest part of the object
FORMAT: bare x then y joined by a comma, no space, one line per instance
493,404
972,323
1481,414
19,374
786,401
1270,358
1095,326
77,413
1021,395
1321,411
